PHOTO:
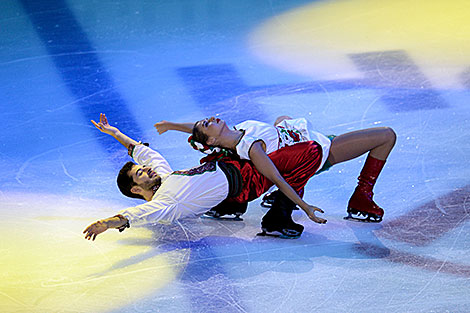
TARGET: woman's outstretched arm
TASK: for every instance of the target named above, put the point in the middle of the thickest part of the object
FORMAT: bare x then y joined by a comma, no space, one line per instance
164,126
266,167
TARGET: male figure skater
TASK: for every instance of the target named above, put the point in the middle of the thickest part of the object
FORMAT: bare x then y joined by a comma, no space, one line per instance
172,195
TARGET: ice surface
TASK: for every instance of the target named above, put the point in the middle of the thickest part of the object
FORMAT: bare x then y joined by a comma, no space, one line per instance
64,62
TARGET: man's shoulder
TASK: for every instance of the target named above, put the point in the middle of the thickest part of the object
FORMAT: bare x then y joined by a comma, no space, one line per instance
197,170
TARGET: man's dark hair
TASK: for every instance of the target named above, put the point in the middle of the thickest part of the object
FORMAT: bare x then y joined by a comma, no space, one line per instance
125,181
198,135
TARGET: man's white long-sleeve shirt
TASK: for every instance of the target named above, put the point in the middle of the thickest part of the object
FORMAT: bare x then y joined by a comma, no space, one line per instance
182,194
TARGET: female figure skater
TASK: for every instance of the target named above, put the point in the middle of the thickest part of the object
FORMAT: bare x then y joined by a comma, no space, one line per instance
254,140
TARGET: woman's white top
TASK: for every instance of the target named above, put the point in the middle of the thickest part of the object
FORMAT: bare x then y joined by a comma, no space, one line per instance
286,133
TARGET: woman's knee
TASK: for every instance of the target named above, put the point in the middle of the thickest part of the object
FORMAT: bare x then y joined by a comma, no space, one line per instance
391,136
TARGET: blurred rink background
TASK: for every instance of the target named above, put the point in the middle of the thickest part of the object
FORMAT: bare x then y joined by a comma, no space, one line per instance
342,64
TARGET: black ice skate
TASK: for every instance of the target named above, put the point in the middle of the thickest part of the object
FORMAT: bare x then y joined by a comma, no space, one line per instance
284,233
227,211
277,222
269,198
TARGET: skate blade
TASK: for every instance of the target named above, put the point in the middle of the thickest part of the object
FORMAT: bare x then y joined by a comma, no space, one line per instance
366,219
266,204
222,218
277,234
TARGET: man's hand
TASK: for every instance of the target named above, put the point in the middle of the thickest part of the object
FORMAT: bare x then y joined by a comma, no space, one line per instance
95,229
104,126
311,214
162,127
117,221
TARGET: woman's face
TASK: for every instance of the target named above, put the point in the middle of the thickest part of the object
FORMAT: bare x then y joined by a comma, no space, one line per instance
211,127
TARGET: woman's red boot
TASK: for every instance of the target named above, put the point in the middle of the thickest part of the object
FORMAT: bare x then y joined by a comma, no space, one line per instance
361,205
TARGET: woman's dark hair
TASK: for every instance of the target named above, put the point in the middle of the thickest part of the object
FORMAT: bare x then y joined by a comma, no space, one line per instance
198,135
125,181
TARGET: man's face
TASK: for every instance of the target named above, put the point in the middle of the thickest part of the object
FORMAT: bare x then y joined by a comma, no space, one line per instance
144,177
212,127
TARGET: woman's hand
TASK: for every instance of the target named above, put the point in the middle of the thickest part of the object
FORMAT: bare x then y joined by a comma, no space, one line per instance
165,126
162,127
310,211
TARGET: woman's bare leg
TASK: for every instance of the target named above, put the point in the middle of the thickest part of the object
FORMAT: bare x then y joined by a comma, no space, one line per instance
379,141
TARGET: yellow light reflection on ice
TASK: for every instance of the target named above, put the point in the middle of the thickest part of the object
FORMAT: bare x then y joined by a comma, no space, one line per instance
314,40
48,266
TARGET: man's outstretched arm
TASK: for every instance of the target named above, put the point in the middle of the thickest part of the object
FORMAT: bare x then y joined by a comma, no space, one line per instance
117,221
104,127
